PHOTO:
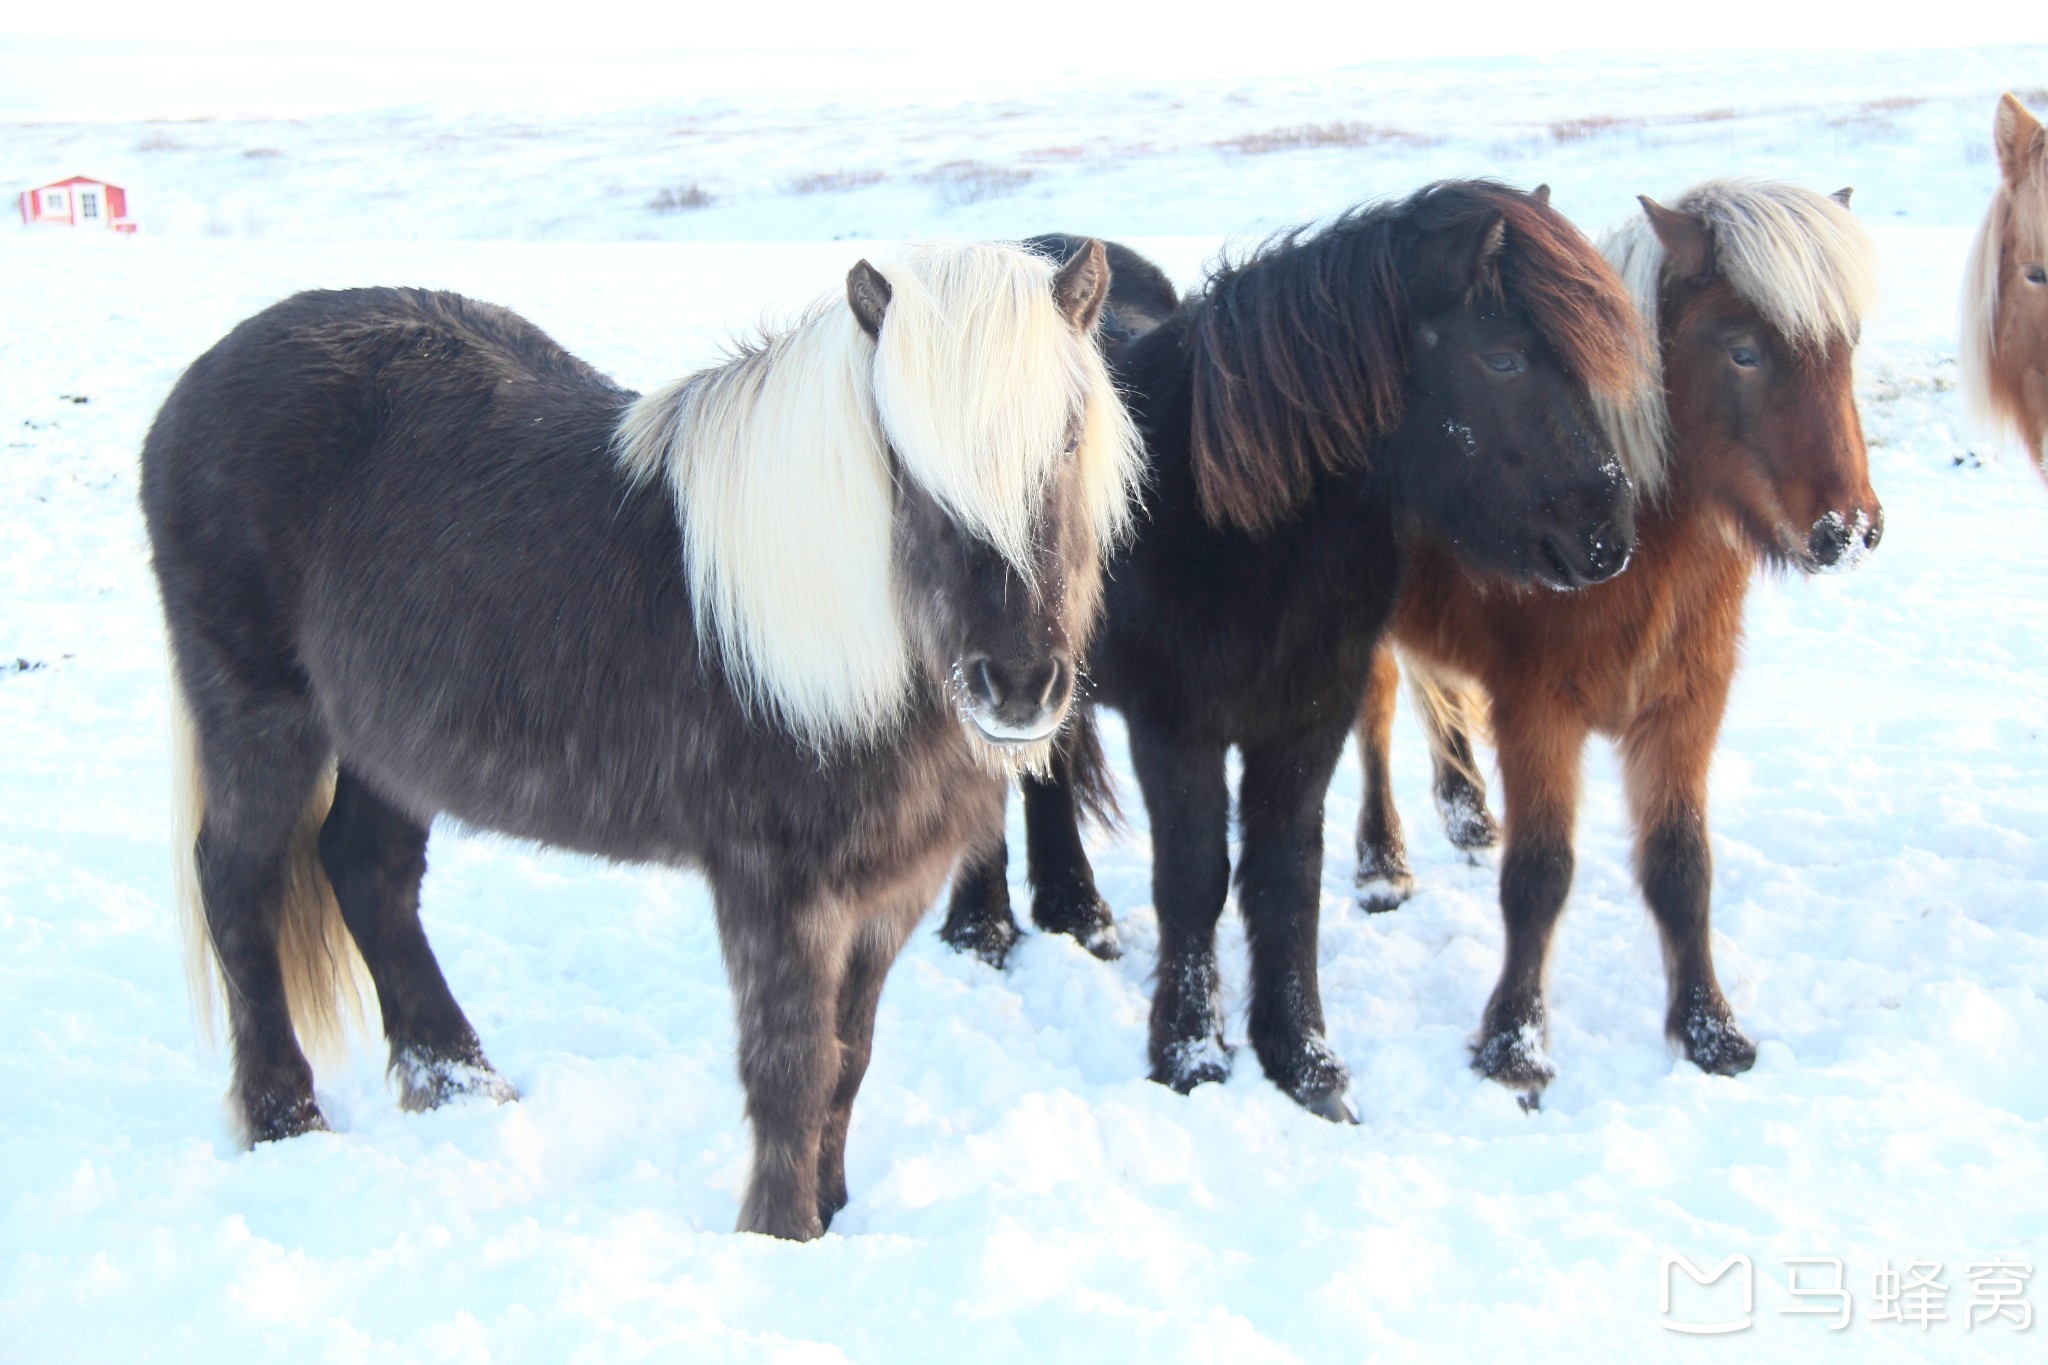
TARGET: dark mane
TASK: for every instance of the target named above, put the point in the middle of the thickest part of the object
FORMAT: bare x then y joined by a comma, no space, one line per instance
1298,353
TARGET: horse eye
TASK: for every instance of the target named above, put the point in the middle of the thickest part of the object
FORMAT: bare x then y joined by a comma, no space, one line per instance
1073,444
1506,362
1745,356
2036,275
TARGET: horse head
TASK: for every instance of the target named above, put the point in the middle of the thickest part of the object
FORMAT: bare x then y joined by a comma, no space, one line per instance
2005,292
1760,295
1511,315
1013,464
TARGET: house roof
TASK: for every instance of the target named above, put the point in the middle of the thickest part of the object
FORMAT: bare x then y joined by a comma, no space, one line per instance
78,180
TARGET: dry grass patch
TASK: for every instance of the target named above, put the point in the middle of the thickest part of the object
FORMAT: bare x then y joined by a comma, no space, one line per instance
1325,135
970,182
681,199
834,182
1579,129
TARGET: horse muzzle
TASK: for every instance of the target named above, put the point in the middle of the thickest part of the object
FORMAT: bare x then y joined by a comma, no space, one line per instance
1016,703
1841,540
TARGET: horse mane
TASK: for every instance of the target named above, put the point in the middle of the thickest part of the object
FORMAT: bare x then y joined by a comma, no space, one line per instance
2019,211
782,459
1798,257
1298,352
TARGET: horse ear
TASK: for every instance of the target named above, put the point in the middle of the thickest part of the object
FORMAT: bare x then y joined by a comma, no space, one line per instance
1841,196
1485,263
2018,135
1688,252
1541,194
1082,285
869,294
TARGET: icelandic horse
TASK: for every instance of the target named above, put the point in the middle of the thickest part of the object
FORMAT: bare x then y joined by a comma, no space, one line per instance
1420,364
791,621
1749,450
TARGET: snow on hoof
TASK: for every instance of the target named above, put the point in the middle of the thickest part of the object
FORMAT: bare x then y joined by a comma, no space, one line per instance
1104,943
1084,917
1193,1062
1714,1044
1331,1105
427,1081
1518,1059
274,1118
1468,824
1377,895
989,939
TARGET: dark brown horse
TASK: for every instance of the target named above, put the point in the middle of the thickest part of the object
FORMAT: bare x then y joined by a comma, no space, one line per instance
1419,364
2004,357
1750,451
789,621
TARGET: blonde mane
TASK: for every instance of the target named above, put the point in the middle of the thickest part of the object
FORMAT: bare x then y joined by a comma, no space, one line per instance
1798,257
780,464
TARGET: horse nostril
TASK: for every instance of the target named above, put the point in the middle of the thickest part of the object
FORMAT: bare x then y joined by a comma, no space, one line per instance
981,680
1873,530
1829,538
1059,681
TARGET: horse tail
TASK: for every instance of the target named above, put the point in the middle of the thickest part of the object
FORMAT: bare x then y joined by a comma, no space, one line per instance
324,975
1094,784
1451,710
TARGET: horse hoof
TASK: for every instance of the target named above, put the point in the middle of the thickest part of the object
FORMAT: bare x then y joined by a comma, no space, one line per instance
1104,943
794,1227
988,939
1715,1045
1084,917
1194,1062
1379,894
275,1118
1516,1058
1329,1105
428,1080
1468,824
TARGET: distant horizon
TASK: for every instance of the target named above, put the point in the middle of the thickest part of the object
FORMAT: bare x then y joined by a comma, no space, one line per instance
1205,38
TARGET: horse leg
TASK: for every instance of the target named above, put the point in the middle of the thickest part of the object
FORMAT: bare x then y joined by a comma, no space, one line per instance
1187,796
786,960
1539,757
1665,771
1279,892
1063,895
1455,780
1383,880
978,919
271,747
873,952
375,856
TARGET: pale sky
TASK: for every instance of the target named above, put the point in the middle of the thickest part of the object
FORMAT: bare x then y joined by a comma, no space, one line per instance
1198,36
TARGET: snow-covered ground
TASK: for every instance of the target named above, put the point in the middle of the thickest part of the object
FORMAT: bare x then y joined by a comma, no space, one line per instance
1019,1191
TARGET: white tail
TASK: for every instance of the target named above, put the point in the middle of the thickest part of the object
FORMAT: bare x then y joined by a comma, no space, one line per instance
324,976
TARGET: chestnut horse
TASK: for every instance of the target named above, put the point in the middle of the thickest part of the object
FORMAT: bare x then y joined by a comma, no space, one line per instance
1424,362
789,621
2004,355
1751,451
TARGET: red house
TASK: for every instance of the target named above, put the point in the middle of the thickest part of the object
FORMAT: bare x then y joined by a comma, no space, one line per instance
78,202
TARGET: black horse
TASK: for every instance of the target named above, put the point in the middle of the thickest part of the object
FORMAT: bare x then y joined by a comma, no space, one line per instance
789,621
1424,363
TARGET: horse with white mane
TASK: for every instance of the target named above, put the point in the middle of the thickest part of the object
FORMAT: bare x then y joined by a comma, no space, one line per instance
789,621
